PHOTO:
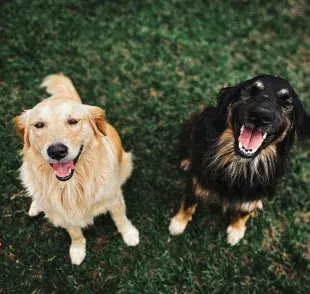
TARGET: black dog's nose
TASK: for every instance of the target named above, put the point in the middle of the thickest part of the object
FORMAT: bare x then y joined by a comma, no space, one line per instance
57,151
261,116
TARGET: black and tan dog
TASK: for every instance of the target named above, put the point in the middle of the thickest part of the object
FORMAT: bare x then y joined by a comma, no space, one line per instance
236,152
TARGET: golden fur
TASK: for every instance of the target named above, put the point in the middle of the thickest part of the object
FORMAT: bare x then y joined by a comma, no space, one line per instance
102,168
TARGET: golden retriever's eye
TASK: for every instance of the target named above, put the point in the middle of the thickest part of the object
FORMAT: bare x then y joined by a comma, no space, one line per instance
73,121
39,125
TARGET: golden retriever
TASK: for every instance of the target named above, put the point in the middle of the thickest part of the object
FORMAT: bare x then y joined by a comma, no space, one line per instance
73,164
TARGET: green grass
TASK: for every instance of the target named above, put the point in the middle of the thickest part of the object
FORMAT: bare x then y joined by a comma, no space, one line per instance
150,65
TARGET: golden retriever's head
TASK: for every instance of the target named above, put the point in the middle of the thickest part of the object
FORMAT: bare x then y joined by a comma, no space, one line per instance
58,130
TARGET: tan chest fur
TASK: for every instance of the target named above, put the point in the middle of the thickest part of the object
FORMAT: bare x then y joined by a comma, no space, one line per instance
92,189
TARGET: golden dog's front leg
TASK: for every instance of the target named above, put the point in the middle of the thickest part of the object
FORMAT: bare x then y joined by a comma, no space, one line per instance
78,245
118,213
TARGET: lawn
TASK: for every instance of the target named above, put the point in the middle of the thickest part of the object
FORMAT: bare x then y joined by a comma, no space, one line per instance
149,64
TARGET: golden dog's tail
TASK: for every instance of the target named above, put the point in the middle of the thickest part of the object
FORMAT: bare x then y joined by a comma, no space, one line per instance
126,166
60,86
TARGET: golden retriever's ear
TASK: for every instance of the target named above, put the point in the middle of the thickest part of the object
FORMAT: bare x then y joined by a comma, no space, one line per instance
22,128
97,119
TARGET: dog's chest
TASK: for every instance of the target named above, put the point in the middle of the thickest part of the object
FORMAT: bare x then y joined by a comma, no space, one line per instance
75,202
237,179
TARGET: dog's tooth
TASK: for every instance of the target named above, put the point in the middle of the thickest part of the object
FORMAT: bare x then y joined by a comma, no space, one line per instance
265,136
242,129
240,146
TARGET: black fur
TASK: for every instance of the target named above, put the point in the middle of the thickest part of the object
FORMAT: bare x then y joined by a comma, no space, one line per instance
202,133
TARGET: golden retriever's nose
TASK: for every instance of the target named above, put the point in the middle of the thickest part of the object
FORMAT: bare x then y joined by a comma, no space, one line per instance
57,151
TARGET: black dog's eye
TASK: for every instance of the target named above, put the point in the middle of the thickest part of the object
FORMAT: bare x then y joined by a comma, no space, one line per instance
286,101
245,94
254,91
39,125
72,121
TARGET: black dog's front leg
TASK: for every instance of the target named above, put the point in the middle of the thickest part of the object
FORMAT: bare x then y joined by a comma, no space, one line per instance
180,220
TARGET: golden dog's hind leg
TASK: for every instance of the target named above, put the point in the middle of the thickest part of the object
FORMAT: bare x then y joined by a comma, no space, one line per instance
34,209
124,226
237,227
78,245
126,166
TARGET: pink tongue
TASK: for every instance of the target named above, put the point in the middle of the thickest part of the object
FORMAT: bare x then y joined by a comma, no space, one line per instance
251,139
63,169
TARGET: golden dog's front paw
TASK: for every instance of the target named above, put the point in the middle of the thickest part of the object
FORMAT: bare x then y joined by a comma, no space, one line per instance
234,235
131,236
77,253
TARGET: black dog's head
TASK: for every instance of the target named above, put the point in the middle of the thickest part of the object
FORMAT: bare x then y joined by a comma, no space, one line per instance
262,111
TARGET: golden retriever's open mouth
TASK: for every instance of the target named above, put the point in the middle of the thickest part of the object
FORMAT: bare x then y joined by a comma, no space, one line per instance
64,170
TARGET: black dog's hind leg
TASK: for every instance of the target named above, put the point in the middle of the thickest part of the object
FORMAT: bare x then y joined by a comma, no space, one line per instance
186,142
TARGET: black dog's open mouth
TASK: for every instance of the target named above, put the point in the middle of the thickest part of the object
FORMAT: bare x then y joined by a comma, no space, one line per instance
64,170
251,141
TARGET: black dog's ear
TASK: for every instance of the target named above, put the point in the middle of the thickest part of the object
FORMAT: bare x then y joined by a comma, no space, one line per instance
302,119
